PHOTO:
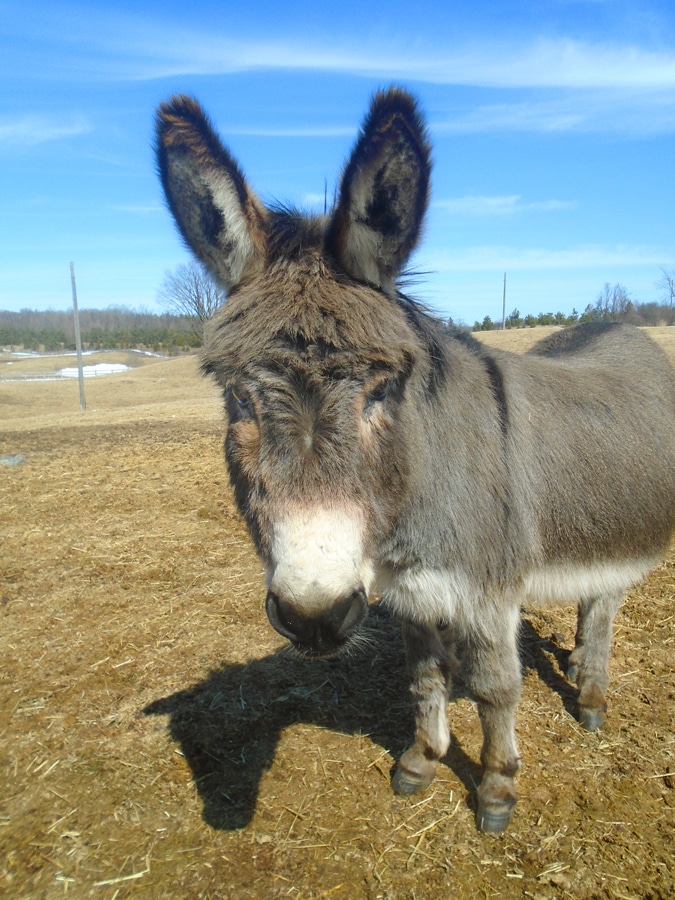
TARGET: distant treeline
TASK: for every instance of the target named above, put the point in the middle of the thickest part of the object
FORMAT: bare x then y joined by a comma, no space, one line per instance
614,304
121,328
101,329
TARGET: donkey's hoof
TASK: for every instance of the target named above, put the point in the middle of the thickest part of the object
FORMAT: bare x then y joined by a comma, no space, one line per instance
573,674
591,718
495,818
404,782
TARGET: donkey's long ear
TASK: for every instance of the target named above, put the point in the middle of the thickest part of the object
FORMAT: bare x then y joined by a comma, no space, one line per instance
218,215
384,191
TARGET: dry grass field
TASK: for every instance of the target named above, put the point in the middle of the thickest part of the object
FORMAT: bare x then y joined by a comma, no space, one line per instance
157,741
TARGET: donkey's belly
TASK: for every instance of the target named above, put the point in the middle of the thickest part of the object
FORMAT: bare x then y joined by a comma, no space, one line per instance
562,583
430,595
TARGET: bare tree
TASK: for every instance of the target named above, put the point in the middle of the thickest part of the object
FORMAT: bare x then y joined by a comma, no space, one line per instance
191,291
667,284
613,303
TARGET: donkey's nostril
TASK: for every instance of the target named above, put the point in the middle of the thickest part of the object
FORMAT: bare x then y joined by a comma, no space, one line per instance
323,633
282,617
347,616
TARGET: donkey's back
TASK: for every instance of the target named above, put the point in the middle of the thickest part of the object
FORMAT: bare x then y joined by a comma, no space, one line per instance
594,422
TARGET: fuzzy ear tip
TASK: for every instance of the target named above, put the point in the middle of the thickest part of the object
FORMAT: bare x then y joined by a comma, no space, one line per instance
176,105
396,100
395,107
394,96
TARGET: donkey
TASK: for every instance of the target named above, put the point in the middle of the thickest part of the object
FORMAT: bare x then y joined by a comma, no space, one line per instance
375,451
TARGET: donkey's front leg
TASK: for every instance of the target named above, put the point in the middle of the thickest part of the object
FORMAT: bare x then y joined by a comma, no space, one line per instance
491,671
429,666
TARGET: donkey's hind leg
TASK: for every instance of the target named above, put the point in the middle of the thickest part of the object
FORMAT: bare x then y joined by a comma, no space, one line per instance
589,661
429,663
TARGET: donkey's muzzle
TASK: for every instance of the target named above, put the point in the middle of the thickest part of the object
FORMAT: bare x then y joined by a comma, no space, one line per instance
323,634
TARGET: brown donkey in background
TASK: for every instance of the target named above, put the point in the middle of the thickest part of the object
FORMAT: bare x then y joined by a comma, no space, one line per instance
374,450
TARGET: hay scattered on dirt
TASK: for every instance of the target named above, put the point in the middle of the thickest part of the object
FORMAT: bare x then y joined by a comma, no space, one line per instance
158,741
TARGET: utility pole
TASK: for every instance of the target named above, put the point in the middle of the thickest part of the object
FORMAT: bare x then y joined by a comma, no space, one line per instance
78,340
504,304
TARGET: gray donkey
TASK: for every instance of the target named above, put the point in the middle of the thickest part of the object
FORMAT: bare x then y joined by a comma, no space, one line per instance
373,450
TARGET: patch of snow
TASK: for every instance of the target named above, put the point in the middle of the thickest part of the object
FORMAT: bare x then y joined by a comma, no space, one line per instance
16,460
90,371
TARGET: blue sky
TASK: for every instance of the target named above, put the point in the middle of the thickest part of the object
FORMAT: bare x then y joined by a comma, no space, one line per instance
553,125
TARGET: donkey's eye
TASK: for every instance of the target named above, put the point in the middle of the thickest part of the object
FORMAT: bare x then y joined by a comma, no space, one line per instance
240,401
380,393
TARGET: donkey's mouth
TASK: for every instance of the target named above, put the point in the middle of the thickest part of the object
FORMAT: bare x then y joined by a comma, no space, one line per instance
311,653
324,635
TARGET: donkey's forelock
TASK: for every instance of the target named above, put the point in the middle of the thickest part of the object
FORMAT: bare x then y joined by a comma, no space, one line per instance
304,307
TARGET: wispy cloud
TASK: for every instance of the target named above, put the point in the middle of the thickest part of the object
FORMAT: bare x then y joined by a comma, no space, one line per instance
557,63
585,256
568,85
140,45
318,201
30,130
161,50
630,112
500,206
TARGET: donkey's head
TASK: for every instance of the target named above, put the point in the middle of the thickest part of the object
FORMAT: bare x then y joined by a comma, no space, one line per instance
319,358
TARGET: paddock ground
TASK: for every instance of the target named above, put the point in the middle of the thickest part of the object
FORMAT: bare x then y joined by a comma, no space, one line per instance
156,741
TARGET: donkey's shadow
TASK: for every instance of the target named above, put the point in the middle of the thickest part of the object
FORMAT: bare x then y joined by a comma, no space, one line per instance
549,660
229,725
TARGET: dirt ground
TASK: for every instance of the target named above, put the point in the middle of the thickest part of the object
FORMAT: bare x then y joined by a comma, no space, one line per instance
157,741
